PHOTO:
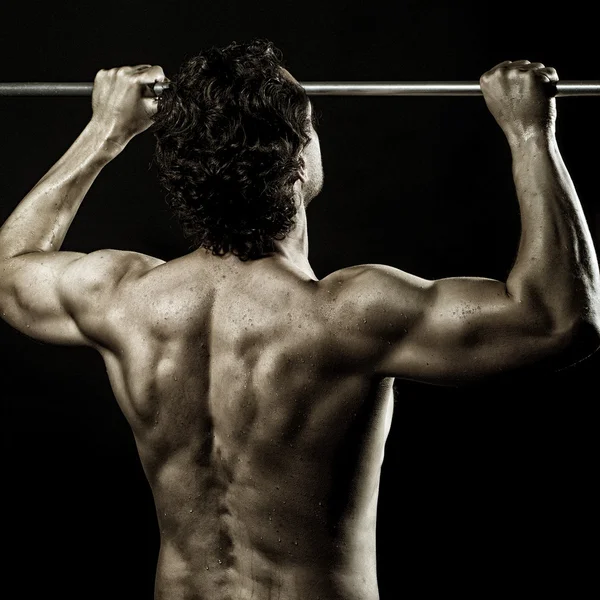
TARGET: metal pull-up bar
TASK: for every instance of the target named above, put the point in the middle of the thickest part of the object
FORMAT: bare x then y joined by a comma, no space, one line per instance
325,88
431,88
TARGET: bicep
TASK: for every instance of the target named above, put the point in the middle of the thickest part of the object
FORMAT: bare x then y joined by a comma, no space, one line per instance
451,330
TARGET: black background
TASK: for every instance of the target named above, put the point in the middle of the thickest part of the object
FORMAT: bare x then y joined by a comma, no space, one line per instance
485,490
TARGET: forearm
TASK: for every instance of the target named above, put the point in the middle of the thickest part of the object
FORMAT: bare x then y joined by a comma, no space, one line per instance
556,266
41,220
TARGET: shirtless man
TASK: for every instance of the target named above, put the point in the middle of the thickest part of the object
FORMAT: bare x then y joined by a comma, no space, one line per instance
260,397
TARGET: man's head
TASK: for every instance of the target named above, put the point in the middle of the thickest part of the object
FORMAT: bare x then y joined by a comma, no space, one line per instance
311,174
311,171
236,148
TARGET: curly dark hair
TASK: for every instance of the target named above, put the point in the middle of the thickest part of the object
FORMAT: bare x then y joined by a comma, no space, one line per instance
229,132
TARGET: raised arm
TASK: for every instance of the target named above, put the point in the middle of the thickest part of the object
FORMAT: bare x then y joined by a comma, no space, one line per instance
548,310
49,294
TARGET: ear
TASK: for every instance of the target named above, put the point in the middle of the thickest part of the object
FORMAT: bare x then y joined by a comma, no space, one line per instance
302,173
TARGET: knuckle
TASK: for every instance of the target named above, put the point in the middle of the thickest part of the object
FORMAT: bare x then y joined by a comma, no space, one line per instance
156,70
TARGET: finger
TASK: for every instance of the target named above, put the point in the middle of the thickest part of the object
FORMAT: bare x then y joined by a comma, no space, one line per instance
550,73
156,75
135,68
150,105
507,64
531,66
152,74
487,74
504,63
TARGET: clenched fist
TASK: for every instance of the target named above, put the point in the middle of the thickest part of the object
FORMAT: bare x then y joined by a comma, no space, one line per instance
520,96
121,102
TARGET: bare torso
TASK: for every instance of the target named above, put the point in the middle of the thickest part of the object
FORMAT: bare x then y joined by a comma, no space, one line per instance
260,398
260,431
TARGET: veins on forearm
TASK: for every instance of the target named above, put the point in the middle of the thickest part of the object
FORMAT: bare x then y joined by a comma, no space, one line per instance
41,220
555,259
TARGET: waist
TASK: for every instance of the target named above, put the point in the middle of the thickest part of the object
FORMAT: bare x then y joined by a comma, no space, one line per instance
235,571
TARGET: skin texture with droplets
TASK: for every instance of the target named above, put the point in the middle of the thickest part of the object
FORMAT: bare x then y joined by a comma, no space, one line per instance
260,397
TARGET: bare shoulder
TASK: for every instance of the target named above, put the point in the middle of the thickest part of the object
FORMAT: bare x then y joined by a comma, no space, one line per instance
374,288
63,297
443,331
104,269
370,307
93,286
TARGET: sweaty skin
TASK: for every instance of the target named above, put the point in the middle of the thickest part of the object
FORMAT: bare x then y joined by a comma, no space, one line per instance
260,397
260,435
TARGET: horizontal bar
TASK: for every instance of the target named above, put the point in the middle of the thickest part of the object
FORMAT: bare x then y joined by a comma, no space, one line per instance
326,88
59,89
432,88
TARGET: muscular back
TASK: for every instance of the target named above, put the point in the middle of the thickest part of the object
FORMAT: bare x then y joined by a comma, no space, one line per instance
260,398
258,425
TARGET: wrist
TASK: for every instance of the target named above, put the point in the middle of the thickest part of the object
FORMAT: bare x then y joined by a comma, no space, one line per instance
530,152
109,142
531,137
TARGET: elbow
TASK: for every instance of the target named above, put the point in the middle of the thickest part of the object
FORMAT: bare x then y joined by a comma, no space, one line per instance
567,334
579,340
587,335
